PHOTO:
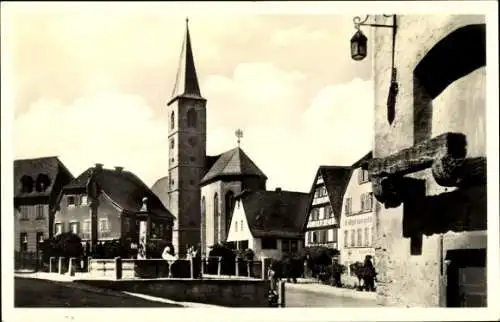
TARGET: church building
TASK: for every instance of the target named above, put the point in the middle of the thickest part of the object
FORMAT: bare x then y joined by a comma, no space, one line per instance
199,188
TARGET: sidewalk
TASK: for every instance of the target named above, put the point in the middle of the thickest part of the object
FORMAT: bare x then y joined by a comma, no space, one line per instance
312,286
69,281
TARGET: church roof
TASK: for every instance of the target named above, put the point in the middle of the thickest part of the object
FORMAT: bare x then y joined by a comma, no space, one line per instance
234,162
124,189
35,171
160,189
278,214
186,81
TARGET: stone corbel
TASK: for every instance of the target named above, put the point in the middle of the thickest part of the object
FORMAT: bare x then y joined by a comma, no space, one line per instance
445,155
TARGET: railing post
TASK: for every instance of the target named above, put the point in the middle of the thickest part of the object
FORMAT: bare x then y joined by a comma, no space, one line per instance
263,268
51,259
219,260
249,273
237,267
203,259
71,266
281,294
118,268
305,269
191,267
60,264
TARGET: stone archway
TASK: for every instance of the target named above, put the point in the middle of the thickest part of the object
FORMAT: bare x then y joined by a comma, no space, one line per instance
456,55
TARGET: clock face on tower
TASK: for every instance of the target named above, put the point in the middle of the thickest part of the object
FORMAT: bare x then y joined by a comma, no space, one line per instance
192,141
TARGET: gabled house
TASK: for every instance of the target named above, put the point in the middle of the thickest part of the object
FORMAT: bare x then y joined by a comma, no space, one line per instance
269,222
121,200
357,221
37,183
325,206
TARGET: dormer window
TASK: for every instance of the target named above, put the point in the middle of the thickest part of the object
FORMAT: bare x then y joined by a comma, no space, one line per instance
42,182
27,184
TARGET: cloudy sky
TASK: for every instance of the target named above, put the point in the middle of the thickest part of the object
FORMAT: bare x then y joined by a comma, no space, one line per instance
92,85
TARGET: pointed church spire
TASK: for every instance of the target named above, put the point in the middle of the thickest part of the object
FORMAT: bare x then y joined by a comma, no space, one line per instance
186,81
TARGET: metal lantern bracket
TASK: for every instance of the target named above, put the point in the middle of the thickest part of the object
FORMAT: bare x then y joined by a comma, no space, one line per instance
394,88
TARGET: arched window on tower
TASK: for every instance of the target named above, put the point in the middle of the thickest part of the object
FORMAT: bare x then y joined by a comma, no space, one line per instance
217,221
191,118
172,120
229,206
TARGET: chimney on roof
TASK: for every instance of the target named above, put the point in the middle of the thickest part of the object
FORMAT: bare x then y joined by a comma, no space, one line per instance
99,166
278,189
118,169
144,204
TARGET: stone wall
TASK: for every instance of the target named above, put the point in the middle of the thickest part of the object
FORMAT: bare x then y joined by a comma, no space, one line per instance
229,293
418,280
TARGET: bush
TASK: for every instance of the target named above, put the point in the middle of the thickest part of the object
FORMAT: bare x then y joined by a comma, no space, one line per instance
228,260
63,245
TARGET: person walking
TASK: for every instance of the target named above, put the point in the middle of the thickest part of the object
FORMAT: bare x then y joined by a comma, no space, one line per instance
369,274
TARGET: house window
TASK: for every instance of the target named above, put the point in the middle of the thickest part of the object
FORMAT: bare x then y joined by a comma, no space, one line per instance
328,212
242,244
360,238
74,227
39,211
58,228
367,237
314,237
353,238
269,243
71,201
126,225
23,211
39,240
104,225
84,200
86,228
172,120
236,226
241,225
346,238
23,238
332,235
369,201
172,143
362,176
294,245
27,184
191,118
347,206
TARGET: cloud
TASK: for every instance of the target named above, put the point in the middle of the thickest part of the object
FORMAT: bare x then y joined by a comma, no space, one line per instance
107,127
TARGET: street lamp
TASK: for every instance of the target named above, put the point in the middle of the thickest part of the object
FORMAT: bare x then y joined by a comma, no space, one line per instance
359,50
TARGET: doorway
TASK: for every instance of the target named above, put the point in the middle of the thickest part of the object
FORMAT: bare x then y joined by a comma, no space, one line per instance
466,275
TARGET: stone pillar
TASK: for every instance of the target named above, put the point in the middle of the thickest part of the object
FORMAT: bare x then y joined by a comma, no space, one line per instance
263,262
89,260
60,264
281,294
237,267
191,267
118,268
203,261
249,266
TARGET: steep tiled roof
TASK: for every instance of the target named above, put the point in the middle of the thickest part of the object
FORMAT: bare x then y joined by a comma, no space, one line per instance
36,169
160,189
336,180
124,188
234,162
280,214
366,157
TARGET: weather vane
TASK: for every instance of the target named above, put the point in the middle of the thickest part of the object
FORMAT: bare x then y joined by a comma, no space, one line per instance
239,135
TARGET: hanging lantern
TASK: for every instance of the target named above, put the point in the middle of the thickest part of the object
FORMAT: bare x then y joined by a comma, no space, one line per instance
358,46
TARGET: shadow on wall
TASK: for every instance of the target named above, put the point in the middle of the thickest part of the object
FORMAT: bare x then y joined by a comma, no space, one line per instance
458,54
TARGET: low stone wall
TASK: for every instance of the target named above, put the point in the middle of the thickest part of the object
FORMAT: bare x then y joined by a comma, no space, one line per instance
229,293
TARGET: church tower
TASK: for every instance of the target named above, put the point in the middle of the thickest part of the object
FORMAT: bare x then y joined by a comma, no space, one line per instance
187,150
